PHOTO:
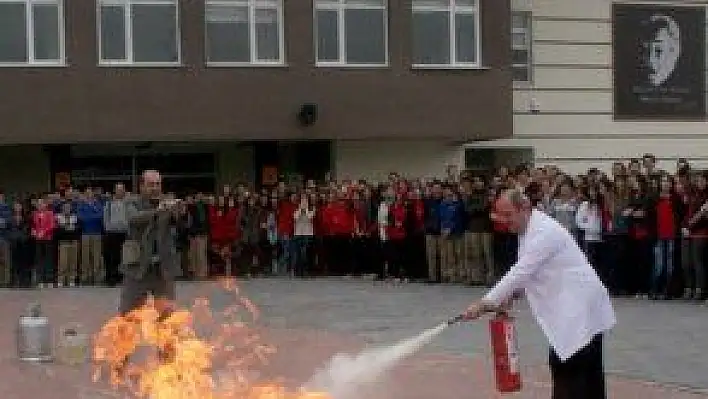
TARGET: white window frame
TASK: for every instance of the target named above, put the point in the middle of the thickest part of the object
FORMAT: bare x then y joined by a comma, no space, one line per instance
453,10
29,25
341,7
528,32
129,54
252,44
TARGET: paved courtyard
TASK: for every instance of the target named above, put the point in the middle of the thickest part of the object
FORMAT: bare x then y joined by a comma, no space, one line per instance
658,350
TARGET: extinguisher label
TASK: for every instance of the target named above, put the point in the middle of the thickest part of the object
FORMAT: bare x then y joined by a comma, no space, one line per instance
512,347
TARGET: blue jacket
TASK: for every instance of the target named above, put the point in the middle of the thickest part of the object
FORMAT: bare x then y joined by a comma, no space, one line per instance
91,217
452,216
432,216
5,216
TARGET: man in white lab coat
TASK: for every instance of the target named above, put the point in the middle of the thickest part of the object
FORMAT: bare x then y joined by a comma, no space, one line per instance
566,297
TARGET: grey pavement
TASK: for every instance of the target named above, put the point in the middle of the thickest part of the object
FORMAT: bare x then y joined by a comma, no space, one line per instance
664,342
655,345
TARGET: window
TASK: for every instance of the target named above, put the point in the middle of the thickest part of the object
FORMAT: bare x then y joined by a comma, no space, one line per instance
248,32
521,46
143,32
31,32
446,33
351,32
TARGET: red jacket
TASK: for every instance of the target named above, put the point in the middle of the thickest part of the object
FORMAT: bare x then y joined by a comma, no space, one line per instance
419,215
223,225
43,225
318,225
360,215
396,230
286,218
338,219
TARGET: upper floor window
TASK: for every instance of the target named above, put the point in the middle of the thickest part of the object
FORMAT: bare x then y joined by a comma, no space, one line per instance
31,32
446,33
351,32
244,32
521,46
141,32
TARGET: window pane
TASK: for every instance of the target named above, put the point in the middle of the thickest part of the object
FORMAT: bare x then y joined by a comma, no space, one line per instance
365,2
519,20
518,40
113,33
154,33
466,3
519,57
466,38
227,34
431,3
267,35
520,73
365,36
327,36
46,31
431,38
13,33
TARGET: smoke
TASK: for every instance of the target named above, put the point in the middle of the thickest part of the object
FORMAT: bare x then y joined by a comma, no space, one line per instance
351,376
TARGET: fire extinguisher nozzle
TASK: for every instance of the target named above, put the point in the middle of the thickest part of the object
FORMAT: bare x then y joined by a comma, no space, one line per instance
456,319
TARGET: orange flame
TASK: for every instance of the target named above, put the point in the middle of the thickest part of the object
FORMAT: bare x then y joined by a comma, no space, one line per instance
165,358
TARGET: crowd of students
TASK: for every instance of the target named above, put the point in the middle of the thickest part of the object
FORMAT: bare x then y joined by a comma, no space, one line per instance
644,230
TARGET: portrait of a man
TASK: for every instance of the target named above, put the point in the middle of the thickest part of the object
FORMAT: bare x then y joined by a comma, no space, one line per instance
662,49
659,62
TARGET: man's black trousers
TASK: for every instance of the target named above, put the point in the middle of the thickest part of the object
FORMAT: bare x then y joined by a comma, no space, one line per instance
582,376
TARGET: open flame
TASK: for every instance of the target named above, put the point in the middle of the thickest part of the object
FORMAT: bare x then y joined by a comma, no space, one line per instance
156,357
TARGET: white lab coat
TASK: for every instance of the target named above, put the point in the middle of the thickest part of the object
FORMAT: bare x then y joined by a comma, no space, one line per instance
565,294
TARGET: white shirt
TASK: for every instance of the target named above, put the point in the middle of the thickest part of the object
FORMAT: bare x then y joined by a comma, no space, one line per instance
382,218
303,222
565,294
589,220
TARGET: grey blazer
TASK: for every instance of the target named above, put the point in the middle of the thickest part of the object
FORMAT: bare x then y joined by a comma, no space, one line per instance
149,226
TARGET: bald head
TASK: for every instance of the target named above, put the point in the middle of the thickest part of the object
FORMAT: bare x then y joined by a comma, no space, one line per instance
513,208
151,184
516,197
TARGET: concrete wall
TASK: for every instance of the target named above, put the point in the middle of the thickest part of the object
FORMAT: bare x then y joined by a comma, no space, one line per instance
572,93
375,159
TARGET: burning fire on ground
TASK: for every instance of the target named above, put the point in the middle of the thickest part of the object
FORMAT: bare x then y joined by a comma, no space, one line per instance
168,358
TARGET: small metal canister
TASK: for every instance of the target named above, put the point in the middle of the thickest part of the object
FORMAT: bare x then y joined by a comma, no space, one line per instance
34,336
73,345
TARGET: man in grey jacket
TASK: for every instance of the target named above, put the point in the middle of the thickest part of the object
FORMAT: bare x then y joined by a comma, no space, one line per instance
152,225
115,224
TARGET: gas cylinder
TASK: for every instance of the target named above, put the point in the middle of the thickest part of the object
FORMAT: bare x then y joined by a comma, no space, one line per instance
34,336
505,352
73,345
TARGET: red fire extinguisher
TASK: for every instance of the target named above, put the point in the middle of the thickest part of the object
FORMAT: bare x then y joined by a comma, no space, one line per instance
506,354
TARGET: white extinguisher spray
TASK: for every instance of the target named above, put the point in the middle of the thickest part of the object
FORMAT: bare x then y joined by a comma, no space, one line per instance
505,352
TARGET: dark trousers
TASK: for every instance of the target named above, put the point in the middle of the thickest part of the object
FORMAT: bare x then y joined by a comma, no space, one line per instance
21,255
638,271
582,376
112,246
366,252
44,262
393,252
415,259
616,249
594,252
338,254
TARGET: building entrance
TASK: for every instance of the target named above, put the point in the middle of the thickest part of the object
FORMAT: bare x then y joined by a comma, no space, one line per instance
182,171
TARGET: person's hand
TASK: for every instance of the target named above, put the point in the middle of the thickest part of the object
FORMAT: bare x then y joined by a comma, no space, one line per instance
474,311
478,309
